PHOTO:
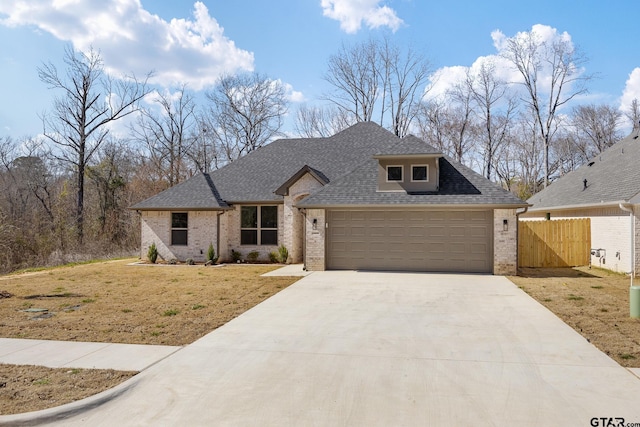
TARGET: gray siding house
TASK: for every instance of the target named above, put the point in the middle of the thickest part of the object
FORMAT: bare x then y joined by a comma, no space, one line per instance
361,199
606,190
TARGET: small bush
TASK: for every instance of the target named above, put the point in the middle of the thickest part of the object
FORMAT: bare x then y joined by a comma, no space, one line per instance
211,254
253,256
235,255
152,253
273,257
190,261
284,254
173,261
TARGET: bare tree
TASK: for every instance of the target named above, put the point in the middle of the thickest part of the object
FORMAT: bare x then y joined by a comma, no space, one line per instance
168,132
494,109
448,126
246,112
378,79
314,122
633,114
405,76
594,128
81,115
552,76
354,74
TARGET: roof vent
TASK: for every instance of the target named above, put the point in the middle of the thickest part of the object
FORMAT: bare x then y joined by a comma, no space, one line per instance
591,163
585,184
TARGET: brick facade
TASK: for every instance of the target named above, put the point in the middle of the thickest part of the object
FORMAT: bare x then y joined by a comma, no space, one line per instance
293,237
505,243
315,240
156,228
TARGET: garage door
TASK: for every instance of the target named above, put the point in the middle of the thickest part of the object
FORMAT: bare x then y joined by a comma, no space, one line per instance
457,241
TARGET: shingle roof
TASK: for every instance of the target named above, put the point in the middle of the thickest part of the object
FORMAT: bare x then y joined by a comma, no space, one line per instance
198,192
612,176
459,185
344,160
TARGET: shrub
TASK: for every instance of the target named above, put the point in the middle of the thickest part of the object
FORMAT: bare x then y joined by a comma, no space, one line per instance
235,255
273,257
173,261
253,256
211,254
190,261
152,253
284,254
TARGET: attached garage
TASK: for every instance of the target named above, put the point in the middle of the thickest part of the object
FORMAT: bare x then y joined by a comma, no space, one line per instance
410,240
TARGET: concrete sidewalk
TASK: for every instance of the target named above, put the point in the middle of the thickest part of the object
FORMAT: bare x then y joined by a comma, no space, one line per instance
84,355
375,349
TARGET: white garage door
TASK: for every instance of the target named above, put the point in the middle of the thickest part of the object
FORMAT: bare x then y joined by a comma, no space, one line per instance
456,241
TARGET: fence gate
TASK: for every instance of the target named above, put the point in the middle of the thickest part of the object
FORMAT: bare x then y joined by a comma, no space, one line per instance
557,243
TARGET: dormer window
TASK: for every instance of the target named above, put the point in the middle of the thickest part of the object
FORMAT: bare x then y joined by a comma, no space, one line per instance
394,173
419,173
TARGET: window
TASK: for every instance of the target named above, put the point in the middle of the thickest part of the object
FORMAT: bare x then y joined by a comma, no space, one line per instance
179,227
259,225
394,173
419,173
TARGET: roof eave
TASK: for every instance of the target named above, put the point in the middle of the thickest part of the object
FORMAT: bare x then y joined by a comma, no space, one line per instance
578,206
461,206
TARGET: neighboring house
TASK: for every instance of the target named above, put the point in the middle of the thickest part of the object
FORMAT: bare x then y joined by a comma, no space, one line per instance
361,199
606,190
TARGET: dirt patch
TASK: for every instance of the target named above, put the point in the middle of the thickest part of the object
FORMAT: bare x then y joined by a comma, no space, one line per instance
594,302
31,388
117,302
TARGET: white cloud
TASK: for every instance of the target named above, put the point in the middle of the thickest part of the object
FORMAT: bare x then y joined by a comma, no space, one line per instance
631,90
353,13
446,78
193,51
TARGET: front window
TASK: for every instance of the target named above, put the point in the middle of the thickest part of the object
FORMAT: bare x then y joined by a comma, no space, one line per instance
259,225
394,173
419,173
179,227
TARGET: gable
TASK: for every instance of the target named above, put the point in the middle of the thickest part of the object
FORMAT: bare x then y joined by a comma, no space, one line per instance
612,177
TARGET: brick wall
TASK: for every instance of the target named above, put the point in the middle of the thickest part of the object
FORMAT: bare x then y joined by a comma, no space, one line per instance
315,240
230,237
156,228
505,243
293,218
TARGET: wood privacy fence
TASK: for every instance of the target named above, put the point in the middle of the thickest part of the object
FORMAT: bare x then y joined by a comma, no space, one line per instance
557,243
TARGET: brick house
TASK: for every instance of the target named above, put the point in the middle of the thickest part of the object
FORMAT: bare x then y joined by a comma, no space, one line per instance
361,199
606,190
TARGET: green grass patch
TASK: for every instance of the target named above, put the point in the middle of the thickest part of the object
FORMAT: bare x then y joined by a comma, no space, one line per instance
171,312
197,306
573,297
627,356
597,287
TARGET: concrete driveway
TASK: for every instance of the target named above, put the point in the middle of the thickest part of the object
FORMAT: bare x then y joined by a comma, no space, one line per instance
379,349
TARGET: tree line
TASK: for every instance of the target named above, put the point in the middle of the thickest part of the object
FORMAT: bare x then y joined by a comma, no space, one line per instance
109,142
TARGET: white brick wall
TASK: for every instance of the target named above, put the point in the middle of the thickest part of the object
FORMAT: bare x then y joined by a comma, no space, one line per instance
315,239
293,218
230,223
505,243
156,228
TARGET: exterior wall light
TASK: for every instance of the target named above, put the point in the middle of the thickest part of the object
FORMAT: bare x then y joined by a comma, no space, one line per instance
315,223
505,225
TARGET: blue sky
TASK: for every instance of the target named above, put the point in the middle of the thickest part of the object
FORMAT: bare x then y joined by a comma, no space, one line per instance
291,40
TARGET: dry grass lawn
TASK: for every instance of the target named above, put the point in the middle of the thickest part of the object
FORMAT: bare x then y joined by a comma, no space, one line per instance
594,302
116,302
175,305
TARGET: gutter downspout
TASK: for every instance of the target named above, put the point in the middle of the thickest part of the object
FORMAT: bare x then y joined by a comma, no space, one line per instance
304,238
634,291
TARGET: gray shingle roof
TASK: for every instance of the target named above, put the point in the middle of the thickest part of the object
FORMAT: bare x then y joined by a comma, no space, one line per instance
344,160
459,185
196,193
612,176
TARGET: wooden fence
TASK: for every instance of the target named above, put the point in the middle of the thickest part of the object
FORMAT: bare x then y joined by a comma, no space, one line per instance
557,243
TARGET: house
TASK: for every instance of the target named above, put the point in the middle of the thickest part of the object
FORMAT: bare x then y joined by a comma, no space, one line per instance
361,199
606,190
